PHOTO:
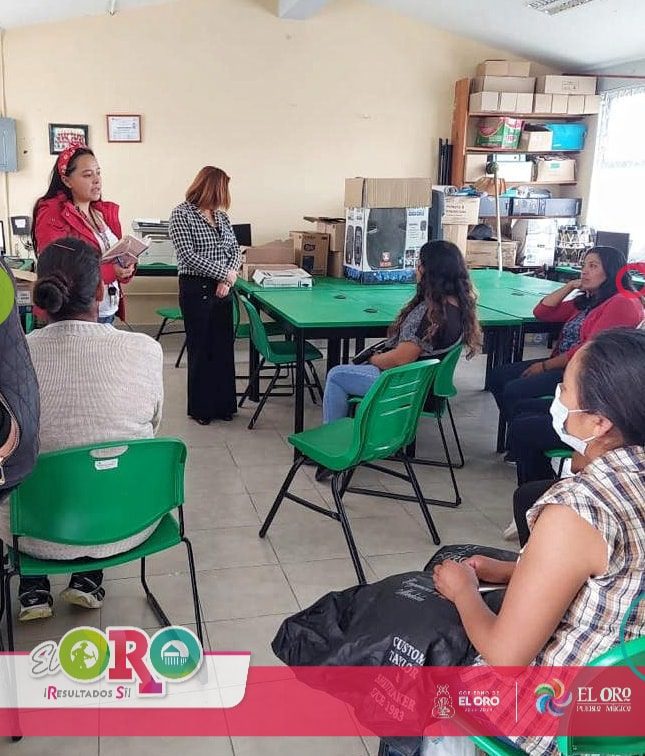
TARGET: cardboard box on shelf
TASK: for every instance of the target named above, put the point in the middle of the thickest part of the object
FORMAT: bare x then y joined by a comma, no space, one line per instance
576,104
460,211
536,137
248,269
504,84
536,241
382,243
524,102
504,68
457,235
555,170
311,251
396,192
25,280
335,264
559,103
566,84
499,132
484,253
481,102
542,103
592,104
335,227
292,278
518,171
508,102
475,166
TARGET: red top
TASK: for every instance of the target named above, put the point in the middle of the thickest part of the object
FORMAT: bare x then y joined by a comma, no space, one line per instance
614,312
57,217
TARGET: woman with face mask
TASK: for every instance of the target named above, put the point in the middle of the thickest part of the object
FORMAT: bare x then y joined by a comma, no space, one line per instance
582,571
73,206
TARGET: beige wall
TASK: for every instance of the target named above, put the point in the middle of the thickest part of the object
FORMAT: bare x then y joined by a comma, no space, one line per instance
288,108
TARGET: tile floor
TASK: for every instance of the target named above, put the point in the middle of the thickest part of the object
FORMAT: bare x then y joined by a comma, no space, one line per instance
247,585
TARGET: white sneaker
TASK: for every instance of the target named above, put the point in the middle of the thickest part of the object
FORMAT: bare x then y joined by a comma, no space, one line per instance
511,534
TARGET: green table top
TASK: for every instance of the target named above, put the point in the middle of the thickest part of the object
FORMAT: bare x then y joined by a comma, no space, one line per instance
337,303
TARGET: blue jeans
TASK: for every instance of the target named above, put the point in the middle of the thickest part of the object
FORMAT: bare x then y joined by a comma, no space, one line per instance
342,382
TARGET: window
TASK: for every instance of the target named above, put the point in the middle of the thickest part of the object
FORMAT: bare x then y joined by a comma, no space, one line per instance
617,195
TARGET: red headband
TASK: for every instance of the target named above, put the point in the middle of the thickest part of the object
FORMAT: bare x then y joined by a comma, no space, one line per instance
66,155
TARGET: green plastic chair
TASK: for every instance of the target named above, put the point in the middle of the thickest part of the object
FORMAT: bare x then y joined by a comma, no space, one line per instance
171,315
279,354
99,494
442,389
561,454
615,657
385,423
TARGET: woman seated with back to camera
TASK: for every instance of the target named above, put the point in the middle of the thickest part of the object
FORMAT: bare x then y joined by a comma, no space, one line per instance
584,564
96,384
441,315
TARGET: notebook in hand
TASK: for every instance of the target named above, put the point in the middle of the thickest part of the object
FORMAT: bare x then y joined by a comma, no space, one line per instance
126,251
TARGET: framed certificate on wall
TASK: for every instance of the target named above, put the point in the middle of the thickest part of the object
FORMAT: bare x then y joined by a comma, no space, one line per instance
123,128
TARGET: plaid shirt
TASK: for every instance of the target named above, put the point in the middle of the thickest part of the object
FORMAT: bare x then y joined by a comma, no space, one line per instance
609,494
203,250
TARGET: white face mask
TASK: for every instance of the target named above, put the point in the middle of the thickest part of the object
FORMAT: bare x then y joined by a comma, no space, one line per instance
559,414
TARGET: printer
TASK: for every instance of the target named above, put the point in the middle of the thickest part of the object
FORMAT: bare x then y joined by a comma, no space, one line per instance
161,249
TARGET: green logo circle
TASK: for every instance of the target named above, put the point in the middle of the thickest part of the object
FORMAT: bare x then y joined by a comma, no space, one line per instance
7,296
84,654
176,653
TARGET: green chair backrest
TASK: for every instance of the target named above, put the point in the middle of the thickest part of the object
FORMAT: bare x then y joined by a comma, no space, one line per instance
444,386
387,418
258,332
101,493
634,650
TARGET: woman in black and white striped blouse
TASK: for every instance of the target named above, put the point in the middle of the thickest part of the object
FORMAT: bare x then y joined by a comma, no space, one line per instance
208,258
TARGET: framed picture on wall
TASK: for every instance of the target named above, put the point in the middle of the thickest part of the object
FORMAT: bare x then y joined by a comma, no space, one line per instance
123,128
61,135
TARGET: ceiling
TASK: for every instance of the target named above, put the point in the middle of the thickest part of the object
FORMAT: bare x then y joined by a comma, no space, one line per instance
599,33
576,39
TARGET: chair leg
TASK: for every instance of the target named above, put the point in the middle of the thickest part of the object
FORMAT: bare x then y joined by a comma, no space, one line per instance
560,469
252,379
193,585
449,461
264,398
422,502
347,531
154,604
347,479
7,607
181,354
278,499
462,461
161,327
310,384
314,374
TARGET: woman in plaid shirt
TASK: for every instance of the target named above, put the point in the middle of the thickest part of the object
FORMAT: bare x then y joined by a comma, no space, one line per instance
208,258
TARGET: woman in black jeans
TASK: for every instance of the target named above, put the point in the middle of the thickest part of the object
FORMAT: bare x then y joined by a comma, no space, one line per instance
208,258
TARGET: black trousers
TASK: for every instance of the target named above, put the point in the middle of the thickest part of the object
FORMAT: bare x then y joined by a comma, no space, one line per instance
511,391
210,339
530,434
523,499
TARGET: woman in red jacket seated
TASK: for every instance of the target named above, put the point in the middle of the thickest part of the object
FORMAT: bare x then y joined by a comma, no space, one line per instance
598,307
72,206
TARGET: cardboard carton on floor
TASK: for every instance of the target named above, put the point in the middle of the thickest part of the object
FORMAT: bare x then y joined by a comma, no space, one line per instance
311,251
335,227
484,253
383,243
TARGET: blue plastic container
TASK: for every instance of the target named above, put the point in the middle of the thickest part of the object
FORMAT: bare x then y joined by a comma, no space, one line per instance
568,136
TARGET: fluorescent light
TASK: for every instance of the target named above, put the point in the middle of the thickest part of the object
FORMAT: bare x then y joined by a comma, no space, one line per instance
551,7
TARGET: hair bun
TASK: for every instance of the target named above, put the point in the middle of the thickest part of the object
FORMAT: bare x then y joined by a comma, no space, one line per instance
52,293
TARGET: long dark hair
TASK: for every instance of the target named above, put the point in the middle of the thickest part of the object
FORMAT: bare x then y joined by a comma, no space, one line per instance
611,369
56,186
69,272
612,260
444,275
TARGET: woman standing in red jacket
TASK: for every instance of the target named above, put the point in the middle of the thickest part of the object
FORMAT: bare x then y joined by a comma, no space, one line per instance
72,206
